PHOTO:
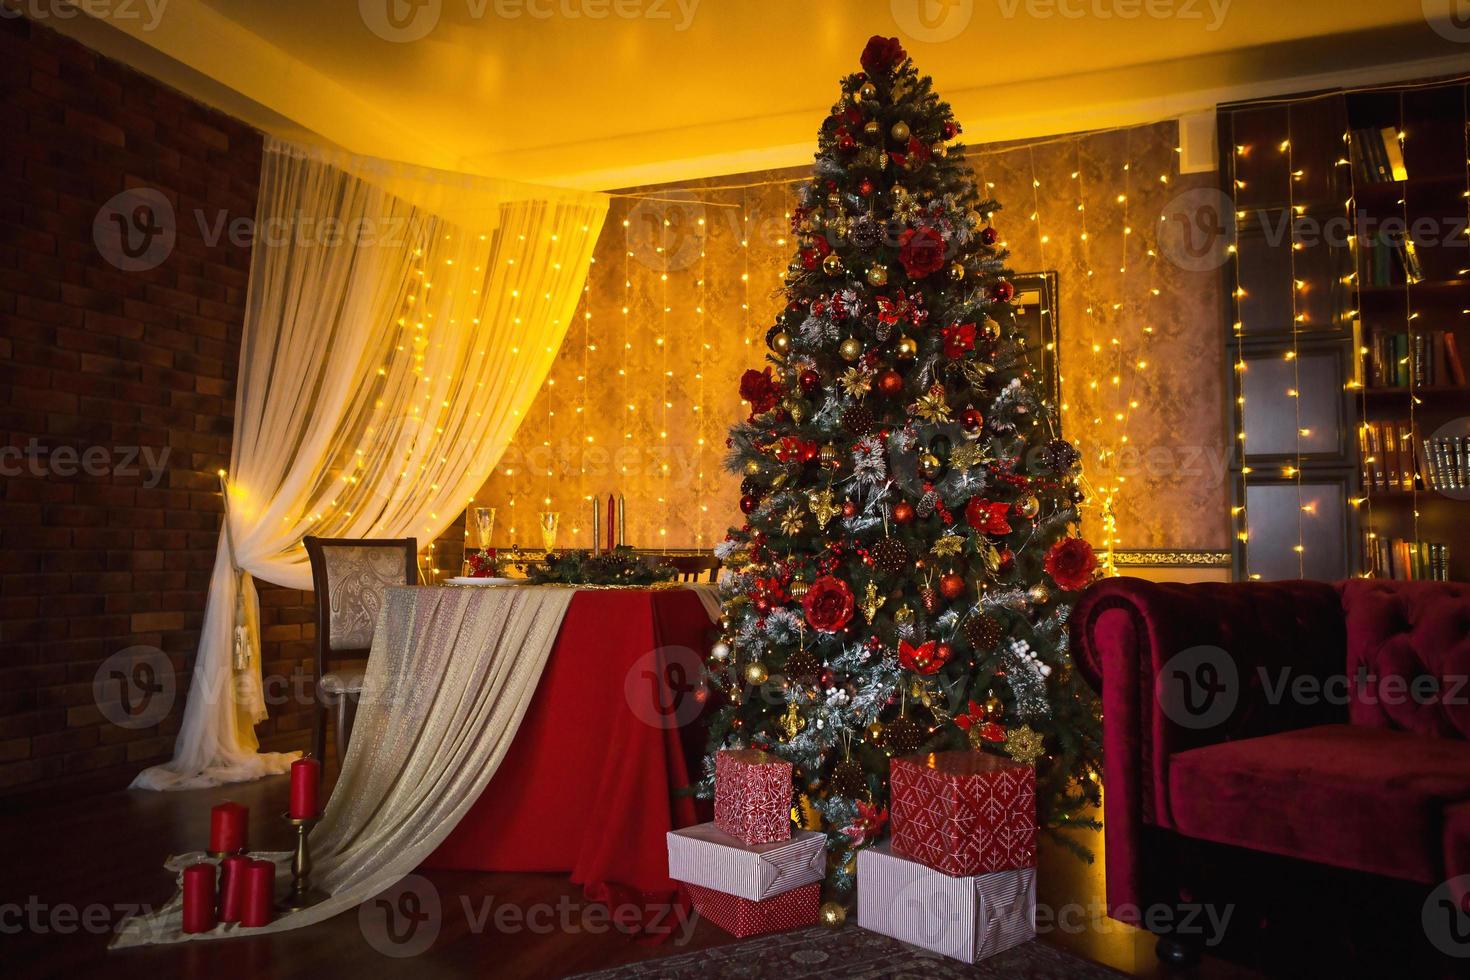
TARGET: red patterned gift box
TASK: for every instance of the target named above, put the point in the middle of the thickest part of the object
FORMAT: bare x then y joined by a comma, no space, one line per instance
741,917
963,813
752,796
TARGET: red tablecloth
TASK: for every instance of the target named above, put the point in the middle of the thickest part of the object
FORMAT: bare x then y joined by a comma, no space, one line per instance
588,784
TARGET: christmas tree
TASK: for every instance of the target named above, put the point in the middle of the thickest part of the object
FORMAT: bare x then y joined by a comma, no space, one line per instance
909,557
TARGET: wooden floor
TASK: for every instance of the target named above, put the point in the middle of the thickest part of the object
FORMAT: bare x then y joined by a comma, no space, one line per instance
71,872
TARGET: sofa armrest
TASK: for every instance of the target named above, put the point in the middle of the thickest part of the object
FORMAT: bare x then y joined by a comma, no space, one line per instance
1179,666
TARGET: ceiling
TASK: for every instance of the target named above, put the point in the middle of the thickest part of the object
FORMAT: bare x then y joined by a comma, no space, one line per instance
612,93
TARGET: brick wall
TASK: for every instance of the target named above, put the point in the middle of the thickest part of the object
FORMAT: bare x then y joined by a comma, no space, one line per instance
104,546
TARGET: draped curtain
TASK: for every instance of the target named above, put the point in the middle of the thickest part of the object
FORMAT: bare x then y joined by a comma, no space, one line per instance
398,324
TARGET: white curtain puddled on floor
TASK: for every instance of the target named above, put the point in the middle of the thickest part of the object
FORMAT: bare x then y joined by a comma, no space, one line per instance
399,321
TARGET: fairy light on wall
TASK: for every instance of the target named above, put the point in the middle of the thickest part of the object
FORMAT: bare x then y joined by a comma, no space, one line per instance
1239,512
1360,351
1409,317
1294,355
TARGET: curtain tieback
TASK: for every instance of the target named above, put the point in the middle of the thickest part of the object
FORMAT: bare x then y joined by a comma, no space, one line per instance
240,659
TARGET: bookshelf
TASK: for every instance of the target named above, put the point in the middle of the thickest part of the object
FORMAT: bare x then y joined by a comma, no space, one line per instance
1348,332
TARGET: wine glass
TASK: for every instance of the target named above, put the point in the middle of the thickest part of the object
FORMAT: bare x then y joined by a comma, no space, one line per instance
550,521
484,525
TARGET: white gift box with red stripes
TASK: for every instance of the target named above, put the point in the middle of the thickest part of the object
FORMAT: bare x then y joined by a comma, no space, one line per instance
968,918
706,855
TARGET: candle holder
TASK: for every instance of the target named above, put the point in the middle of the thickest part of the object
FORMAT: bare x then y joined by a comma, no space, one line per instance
302,895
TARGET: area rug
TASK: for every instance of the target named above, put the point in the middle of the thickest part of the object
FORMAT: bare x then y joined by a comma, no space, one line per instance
853,954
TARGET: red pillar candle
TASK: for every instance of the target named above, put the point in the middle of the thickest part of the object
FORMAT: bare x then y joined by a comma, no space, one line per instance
232,887
227,824
306,778
199,897
260,894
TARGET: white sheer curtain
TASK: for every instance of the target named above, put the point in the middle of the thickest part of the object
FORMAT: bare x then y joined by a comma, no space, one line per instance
399,322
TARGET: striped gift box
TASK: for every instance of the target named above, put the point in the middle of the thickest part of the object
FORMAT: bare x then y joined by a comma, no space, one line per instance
706,855
742,917
967,918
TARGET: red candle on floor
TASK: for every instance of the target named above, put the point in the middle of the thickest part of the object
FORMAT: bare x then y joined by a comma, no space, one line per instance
232,887
306,777
227,824
199,897
260,894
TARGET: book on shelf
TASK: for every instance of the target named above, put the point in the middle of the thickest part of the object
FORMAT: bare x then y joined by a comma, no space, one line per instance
1391,260
1446,462
1377,157
1403,560
1388,456
1398,359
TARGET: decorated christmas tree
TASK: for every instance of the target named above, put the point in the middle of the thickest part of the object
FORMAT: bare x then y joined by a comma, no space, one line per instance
910,552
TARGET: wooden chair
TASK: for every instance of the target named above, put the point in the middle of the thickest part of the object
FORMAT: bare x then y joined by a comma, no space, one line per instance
693,568
350,576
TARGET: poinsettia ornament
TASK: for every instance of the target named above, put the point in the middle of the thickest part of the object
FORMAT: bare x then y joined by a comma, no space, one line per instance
987,517
867,825
926,658
959,340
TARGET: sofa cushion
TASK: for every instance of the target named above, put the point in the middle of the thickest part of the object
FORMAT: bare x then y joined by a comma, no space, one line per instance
1408,655
1356,797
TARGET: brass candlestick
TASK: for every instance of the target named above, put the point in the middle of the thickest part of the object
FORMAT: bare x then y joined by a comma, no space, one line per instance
301,895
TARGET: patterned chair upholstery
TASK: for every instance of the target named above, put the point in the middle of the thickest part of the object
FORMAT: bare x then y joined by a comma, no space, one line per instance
350,576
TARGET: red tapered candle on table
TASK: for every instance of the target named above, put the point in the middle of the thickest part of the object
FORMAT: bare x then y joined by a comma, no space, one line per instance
612,520
199,897
260,894
227,825
232,887
306,780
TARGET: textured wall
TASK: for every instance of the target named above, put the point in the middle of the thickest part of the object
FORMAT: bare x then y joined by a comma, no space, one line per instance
686,278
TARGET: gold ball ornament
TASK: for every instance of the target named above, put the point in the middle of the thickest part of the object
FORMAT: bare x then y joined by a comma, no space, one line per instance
1039,594
799,588
756,673
867,92
939,149
833,914
851,349
1029,507
995,708
780,342
832,264
834,200
900,131
877,275
871,128
929,465
907,348
875,732
956,271
990,329
828,455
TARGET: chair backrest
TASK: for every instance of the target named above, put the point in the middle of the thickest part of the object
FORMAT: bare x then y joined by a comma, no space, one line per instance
692,568
350,576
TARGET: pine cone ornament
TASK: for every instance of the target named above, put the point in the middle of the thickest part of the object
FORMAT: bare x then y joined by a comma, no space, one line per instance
903,735
849,780
891,555
858,420
1058,456
984,632
802,666
930,599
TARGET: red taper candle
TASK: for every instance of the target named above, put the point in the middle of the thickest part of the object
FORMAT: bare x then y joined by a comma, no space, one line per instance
232,887
199,897
612,520
227,824
306,779
260,894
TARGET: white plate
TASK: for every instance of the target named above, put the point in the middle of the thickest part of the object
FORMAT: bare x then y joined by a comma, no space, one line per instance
470,580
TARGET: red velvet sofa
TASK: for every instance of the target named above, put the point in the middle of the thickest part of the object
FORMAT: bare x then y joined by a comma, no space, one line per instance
1314,721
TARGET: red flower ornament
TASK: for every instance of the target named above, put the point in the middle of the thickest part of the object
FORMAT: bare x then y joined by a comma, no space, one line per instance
987,517
759,388
921,252
1071,563
828,604
882,55
926,658
959,340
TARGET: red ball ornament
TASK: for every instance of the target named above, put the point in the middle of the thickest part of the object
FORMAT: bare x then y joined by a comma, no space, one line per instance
1003,290
849,509
971,420
866,187
809,380
890,383
846,142
952,585
748,503
943,653
903,512
951,129
1007,563
988,235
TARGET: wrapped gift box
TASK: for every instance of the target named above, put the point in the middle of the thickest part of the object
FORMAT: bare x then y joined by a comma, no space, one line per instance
707,856
742,917
963,813
968,918
752,795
